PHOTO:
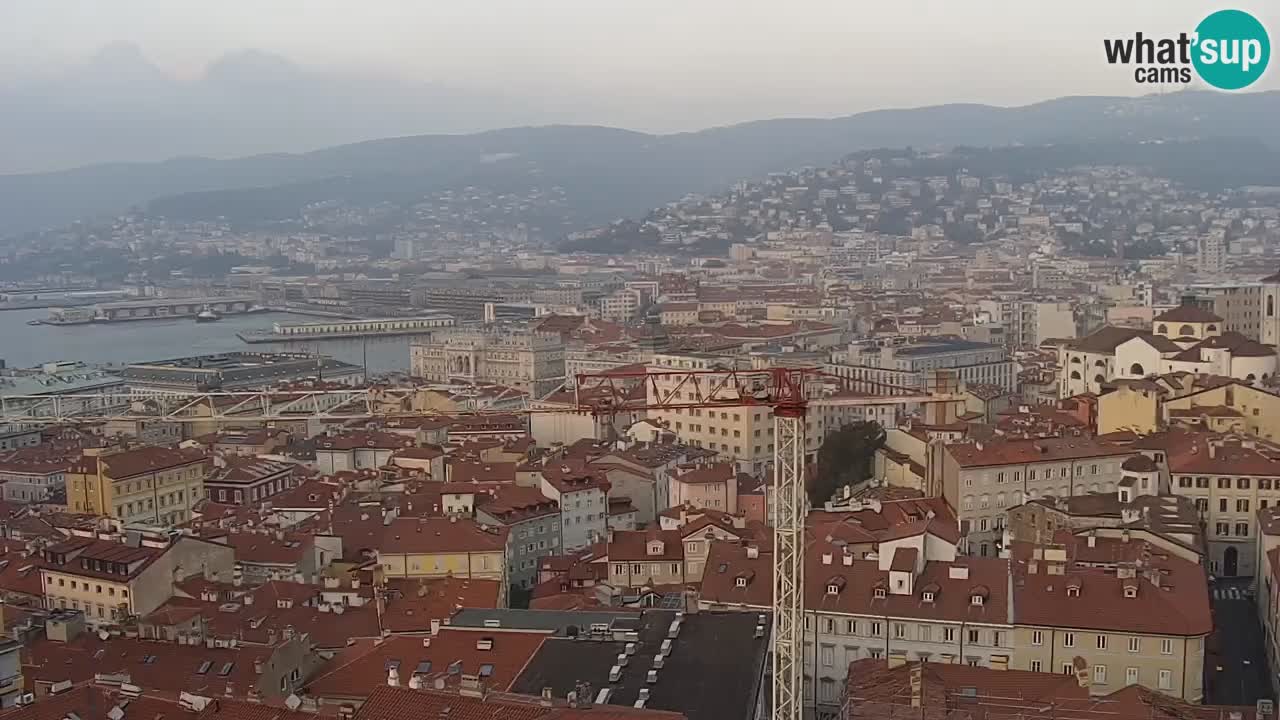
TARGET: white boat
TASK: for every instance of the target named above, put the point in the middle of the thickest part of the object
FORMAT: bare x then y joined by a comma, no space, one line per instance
207,314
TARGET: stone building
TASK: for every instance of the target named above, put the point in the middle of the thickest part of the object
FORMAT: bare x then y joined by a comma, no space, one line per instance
526,360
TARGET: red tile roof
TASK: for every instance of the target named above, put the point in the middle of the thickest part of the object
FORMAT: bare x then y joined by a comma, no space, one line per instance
172,668
627,545
439,535
1172,593
516,503
1187,314
707,474
144,460
91,701
388,703
413,604
358,670
858,580
1018,452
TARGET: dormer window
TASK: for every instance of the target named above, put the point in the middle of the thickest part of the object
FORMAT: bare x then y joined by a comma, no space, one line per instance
740,582
1131,591
833,589
1073,591
879,593
975,600
928,597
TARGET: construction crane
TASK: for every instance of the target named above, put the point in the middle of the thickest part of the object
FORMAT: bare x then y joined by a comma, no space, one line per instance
789,393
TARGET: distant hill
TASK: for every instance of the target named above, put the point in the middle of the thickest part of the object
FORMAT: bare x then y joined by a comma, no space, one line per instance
606,172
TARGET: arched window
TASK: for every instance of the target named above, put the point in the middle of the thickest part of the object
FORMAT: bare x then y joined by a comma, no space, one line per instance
1163,329
1076,360
1075,374
1211,328
1099,379
1271,306
1186,331
1249,378
1100,363
1136,369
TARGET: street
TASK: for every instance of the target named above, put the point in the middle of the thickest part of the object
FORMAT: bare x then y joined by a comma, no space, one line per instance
1236,664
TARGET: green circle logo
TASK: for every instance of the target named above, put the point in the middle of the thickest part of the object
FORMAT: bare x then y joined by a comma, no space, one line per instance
1231,49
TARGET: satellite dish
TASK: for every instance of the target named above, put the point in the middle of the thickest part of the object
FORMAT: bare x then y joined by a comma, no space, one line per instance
293,702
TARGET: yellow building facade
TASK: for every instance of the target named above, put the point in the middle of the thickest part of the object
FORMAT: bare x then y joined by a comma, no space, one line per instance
149,485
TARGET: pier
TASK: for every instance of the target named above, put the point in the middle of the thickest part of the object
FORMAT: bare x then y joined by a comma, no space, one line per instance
159,308
381,327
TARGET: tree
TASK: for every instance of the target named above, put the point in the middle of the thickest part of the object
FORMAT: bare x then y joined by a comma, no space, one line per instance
844,459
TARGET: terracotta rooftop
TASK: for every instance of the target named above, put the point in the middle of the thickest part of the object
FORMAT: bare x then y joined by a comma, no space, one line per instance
358,670
1018,452
1187,314
439,535
388,703
1171,594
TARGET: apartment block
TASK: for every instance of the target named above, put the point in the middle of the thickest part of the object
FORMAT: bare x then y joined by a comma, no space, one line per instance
981,480
149,485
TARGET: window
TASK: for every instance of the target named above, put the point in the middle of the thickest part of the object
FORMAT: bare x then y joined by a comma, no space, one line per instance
1166,680
1135,644
1222,504
1242,506
1202,483
1222,528
1184,482
1069,639
899,630
1102,642
1131,676
1224,483
997,638
875,629
925,634
1100,674
828,655
1242,529
1264,483
1037,637
1068,669
1036,666
1166,646
1242,483
948,634
973,637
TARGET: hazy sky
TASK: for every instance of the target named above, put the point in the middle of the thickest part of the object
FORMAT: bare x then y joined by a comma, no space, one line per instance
646,64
